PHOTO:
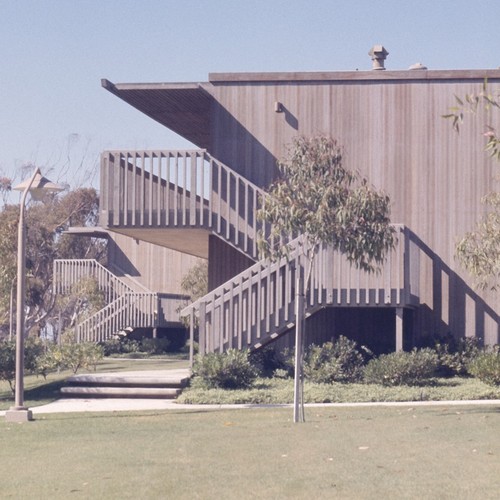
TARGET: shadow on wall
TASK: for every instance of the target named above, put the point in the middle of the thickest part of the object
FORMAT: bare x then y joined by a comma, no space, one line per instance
119,261
455,306
235,146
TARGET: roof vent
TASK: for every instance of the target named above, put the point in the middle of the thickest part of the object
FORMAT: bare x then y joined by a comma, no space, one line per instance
417,66
378,55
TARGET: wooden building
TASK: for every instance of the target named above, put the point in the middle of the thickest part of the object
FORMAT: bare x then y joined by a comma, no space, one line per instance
202,202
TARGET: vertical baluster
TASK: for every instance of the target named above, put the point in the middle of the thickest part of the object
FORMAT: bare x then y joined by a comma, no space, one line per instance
210,192
151,162
168,190
219,194
184,188
202,190
192,189
176,190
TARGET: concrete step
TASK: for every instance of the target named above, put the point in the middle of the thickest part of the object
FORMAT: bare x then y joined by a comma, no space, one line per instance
158,384
121,392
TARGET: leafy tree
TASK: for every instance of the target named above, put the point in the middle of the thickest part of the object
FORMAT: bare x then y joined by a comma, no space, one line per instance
479,250
195,285
317,197
195,282
45,242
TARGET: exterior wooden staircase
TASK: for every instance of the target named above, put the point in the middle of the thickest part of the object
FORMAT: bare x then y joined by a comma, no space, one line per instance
126,307
258,305
147,191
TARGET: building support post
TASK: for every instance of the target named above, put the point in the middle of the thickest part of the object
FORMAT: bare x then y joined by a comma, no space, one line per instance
399,329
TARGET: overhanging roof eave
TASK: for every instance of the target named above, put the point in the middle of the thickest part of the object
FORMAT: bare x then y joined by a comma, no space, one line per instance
182,107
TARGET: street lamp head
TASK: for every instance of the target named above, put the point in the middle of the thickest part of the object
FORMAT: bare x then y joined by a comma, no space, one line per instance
38,186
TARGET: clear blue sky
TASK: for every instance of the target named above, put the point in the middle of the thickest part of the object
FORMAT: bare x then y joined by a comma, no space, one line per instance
53,53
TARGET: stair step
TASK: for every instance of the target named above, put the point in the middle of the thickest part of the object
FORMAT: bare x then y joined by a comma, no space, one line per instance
159,384
135,381
121,392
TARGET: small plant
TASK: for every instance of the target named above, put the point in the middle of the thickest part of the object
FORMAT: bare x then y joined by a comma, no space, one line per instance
334,362
402,368
456,356
229,370
486,367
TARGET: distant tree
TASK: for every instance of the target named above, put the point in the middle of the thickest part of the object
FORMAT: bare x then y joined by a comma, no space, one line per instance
479,251
195,282
317,197
45,242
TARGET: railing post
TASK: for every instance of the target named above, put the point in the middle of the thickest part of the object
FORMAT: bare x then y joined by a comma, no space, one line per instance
191,337
202,328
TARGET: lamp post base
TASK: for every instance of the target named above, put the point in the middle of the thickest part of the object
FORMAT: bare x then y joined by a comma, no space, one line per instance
18,414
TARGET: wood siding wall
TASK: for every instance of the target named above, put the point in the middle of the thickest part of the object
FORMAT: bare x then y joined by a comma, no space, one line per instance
394,133
157,268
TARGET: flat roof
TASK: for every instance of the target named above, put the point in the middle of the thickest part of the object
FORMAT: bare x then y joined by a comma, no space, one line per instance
373,75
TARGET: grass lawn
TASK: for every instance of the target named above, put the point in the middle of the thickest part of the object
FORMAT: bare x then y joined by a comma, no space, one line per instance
444,452
39,391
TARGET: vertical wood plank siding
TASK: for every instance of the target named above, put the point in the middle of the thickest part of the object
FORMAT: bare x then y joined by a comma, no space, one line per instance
393,132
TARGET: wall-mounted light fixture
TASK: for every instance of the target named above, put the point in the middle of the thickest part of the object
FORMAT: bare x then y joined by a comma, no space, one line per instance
278,107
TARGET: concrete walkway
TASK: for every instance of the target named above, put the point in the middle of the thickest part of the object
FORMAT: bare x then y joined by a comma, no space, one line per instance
117,405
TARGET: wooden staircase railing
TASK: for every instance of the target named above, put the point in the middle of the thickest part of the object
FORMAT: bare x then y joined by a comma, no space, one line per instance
69,272
125,306
257,305
150,189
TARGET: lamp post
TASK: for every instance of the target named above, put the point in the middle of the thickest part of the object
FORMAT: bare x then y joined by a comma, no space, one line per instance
38,186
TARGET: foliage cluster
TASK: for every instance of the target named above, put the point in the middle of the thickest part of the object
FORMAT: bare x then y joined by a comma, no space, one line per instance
317,196
456,356
338,361
402,368
229,370
486,367
126,347
42,358
342,361
45,241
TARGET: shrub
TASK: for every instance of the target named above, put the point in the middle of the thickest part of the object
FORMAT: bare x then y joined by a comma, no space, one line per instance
267,361
334,362
402,368
154,346
71,356
455,356
229,370
119,346
8,362
486,367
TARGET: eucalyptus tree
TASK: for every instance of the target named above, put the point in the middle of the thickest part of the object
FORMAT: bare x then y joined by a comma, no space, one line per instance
316,197
46,241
